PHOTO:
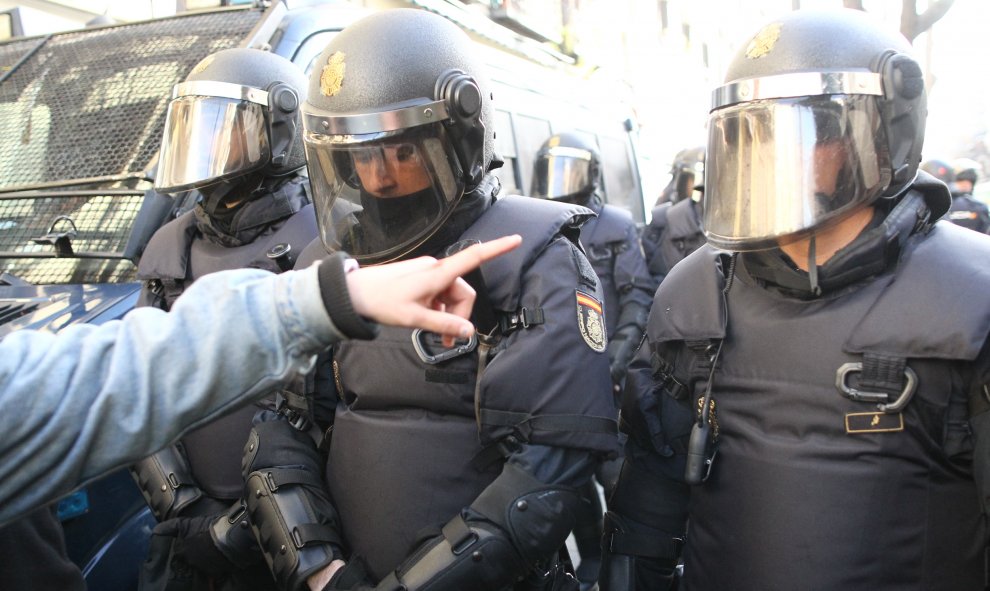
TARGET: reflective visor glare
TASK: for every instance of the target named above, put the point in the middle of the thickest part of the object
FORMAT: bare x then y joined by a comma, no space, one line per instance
560,176
209,138
379,199
778,168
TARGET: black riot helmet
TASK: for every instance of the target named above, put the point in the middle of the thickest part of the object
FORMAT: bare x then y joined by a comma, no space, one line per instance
966,169
822,112
233,123
687,175
939,169
398,127
568,168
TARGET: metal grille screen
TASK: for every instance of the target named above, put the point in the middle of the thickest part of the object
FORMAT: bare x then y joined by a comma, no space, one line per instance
85,105
70,271
102,225
92,103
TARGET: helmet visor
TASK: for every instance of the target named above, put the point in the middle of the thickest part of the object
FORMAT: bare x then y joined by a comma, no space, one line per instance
208,139
380,195
561,172
779,169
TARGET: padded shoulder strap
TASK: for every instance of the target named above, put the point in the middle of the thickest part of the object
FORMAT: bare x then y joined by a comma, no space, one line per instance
612,225
167,254
936,306
681,222
538,221
689,305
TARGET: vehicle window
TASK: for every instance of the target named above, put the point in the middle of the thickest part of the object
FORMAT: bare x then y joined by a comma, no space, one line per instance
505,145
310,49
620,177
531,132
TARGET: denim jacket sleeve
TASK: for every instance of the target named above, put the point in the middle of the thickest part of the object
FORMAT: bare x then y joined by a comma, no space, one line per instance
93,398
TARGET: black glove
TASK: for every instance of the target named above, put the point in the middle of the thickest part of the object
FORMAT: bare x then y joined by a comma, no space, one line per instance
193,544
621,349
351,577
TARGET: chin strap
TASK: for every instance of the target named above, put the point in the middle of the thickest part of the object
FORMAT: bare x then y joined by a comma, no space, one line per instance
813,268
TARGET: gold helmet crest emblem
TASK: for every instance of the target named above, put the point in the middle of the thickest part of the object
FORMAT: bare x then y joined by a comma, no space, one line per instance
763,42
202,65
332,76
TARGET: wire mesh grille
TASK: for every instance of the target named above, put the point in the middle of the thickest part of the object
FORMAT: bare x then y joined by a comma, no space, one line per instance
92,103
101,224
70,271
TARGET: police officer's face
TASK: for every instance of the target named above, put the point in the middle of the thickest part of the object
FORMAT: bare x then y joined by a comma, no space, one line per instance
392,170
830,158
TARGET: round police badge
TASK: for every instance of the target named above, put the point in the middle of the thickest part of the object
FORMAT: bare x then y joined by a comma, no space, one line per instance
591,323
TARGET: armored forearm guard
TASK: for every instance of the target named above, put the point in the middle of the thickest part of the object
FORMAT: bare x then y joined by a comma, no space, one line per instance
517,524
166,482
290,511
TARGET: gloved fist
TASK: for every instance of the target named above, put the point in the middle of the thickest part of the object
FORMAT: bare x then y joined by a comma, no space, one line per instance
621,349
193,544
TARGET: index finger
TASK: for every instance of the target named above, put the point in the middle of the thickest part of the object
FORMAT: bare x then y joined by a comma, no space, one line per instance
470,258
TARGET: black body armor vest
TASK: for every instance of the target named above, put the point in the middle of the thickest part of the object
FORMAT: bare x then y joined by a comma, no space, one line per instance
811,488
408,434
174,259
673,233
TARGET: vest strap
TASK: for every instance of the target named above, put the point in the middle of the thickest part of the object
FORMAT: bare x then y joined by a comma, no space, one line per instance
309,533
883,372
525,423
646,546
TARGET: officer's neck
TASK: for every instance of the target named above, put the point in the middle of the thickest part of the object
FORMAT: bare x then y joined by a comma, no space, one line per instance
829,240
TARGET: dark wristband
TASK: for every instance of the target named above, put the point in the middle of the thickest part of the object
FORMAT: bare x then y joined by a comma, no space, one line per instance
337,300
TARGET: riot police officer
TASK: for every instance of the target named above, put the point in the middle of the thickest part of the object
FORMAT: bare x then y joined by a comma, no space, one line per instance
233,134
806,387
568,168
966,210
674,230
448,467
687,171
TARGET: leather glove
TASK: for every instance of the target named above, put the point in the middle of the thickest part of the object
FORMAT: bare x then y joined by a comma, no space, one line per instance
620,352
193,544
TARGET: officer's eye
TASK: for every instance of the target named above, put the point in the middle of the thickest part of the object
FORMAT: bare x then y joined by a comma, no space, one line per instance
362,156
405,153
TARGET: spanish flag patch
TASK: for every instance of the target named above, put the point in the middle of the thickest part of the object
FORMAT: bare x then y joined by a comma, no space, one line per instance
591,321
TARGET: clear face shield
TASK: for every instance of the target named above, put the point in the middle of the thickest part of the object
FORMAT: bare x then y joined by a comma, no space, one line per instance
779,168
378,195
561,173
213,131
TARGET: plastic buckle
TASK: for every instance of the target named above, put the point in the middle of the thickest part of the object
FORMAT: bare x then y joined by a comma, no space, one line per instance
422,349
881,398
464,544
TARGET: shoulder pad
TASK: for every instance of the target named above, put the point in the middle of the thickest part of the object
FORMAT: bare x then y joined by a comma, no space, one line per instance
658,217
167,253
689,304
613,224
680,221
944,293
539,222
311,253
298,231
